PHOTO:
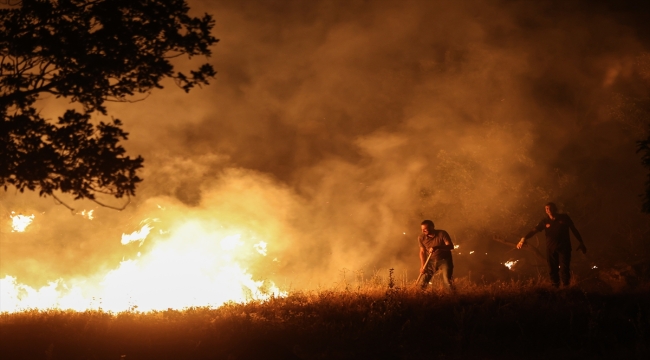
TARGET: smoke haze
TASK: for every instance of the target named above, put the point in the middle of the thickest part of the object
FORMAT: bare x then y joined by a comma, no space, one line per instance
334,128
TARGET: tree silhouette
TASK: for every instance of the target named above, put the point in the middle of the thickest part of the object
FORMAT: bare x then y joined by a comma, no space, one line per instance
88,52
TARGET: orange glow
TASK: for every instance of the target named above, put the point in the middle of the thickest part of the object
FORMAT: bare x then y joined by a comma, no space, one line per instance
191,265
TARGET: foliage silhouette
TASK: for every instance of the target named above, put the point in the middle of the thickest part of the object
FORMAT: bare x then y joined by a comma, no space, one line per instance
88,52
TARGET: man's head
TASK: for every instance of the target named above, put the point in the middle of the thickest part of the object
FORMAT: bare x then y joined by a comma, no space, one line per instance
427,227
550,209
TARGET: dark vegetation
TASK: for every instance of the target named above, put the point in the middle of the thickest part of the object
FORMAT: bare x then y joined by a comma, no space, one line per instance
496,321
87,52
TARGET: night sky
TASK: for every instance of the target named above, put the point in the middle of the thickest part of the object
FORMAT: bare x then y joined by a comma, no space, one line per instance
333,128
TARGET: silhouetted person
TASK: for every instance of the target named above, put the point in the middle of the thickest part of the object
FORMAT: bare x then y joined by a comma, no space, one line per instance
439,245
558,243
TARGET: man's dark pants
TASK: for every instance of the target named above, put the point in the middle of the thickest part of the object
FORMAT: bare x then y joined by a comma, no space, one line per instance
559,266
446,266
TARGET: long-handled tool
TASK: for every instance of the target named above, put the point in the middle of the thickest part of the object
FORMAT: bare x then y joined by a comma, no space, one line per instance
424,267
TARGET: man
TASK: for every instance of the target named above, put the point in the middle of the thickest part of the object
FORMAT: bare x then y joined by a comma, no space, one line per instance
438,244
558,243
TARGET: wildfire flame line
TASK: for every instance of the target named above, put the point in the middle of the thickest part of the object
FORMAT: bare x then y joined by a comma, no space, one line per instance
189,266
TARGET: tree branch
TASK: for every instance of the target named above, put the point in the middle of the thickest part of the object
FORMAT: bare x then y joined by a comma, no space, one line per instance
60,202
24,94
113,207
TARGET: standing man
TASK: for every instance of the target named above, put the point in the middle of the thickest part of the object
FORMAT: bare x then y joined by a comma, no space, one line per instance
438,244
558,243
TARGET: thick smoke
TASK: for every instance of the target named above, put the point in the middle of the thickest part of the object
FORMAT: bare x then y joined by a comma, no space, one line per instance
334,128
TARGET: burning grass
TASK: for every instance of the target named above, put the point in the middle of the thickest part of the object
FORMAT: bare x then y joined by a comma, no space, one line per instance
373,319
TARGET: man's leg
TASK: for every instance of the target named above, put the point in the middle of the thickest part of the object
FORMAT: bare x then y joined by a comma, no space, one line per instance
565,267
447,268
553,267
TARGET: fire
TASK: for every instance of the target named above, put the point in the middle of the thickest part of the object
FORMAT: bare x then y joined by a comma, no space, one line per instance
138,235
20,222
191,265
261,247
510,264
88,214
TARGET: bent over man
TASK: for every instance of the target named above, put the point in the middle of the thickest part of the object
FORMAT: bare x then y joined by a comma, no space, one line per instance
558,243
438,245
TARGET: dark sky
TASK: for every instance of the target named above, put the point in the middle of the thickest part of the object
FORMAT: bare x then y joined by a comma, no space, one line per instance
334,127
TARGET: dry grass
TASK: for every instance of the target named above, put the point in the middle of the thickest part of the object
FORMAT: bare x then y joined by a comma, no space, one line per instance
373,318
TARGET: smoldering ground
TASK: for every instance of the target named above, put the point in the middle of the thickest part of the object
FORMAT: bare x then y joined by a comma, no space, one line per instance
334,128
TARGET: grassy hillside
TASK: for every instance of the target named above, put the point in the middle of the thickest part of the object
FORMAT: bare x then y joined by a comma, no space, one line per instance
497,321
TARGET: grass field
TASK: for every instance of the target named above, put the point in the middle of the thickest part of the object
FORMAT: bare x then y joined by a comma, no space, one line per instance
378,319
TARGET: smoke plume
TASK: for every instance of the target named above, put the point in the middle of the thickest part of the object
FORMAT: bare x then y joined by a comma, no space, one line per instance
334,128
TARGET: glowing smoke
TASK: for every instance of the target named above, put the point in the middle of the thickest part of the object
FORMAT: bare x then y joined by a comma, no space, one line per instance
334,128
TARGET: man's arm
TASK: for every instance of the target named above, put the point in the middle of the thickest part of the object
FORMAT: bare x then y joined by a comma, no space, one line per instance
530,234
423,258
576,233
448,244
